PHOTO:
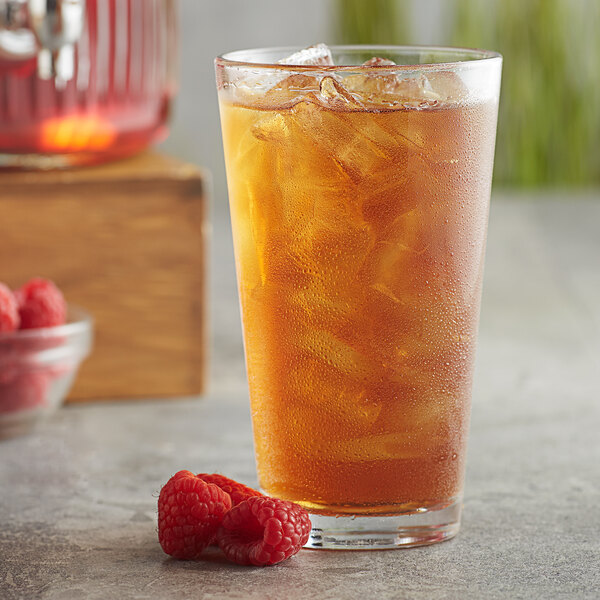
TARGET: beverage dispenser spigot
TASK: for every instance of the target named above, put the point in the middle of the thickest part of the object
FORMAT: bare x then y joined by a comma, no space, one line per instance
46,28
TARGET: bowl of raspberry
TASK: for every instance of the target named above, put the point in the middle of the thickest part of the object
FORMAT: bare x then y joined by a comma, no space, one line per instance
42,344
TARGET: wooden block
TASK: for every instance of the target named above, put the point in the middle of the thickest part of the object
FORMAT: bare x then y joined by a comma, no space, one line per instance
126,241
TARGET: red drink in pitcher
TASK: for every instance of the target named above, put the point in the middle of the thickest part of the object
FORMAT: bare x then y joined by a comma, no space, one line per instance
114,103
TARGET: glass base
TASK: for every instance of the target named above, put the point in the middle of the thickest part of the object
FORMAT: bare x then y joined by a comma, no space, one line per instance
419,528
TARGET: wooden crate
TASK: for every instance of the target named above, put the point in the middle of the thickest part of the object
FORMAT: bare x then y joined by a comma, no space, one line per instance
126,241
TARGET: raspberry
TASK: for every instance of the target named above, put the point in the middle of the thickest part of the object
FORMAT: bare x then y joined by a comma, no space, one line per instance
189,514
41,304
24,391
9,310
263,531
238,491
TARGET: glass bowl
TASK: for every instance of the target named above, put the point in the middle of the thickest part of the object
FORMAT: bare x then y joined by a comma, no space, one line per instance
37,369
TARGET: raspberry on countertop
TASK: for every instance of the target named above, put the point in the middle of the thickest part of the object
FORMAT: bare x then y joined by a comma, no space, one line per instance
189,514
238,491
263,531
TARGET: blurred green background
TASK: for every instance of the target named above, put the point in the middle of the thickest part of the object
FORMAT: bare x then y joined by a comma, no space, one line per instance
549,122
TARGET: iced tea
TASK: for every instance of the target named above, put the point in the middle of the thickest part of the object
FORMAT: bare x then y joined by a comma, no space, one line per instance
359,206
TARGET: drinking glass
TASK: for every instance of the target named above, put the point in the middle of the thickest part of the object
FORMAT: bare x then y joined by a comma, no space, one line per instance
359,182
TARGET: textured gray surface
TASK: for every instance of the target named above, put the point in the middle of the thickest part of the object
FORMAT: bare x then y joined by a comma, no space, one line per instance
78,497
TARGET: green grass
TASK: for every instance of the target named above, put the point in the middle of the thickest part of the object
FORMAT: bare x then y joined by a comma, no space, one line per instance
370,22
549,122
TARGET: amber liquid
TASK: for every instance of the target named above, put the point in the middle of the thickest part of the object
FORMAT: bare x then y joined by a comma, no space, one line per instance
359,240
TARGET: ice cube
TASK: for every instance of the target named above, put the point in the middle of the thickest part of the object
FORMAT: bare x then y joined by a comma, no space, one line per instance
318,54
387,88
416,92
331,251
357,146
253,85
285,89
393,270
386,194
292,89
373,85
271,128
377,61
336,353
334,95
447,85
339,399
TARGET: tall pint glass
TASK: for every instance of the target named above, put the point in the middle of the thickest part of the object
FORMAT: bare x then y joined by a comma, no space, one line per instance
359,182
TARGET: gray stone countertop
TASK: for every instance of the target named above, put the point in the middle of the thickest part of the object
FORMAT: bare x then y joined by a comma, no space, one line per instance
78,496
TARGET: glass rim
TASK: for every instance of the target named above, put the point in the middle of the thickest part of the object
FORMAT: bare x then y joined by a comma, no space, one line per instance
236,59
79,321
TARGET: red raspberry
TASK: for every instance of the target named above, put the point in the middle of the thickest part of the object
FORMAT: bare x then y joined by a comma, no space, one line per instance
189,514
24,391
263,531
9,310
238,491
41,304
